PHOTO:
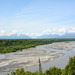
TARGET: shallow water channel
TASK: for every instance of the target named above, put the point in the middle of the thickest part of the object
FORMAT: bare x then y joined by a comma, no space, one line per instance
59,62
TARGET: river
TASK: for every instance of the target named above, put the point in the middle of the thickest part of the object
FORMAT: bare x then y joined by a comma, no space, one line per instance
59,62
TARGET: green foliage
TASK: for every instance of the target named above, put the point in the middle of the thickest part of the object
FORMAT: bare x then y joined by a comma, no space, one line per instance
63,72
13,73
20,71
13,45
7,74
69,70
53,71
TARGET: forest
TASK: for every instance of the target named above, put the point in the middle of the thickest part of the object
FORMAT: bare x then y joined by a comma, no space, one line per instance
69,70
13,45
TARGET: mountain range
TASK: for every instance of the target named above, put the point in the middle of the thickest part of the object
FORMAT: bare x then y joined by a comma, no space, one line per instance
23,36
15,36
66,35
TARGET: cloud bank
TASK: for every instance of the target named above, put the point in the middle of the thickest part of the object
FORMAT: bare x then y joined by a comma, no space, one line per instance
60,31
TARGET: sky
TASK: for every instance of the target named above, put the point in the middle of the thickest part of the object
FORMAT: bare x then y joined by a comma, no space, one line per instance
37,17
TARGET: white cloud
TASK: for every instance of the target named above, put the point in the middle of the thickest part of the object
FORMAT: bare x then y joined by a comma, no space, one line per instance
47,31
72,30
63,29
32,34
12,32
59,31
2,32
55,31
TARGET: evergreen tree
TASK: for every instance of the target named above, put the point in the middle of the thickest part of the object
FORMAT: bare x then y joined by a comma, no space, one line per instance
70,68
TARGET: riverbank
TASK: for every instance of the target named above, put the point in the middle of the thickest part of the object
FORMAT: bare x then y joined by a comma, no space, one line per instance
14,45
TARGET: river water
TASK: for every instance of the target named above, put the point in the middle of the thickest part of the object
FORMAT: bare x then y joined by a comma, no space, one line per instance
59,62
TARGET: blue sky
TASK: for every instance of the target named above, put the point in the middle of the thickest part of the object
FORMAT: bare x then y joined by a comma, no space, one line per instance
36,17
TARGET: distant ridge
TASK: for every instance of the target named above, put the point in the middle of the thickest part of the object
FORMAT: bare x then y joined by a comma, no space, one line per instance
23,36
15,36
66,35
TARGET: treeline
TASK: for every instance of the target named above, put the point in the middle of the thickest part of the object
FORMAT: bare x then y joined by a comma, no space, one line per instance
69,70
13,45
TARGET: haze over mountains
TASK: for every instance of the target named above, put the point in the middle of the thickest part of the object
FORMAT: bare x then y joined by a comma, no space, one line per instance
23,36
66,35
15,36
